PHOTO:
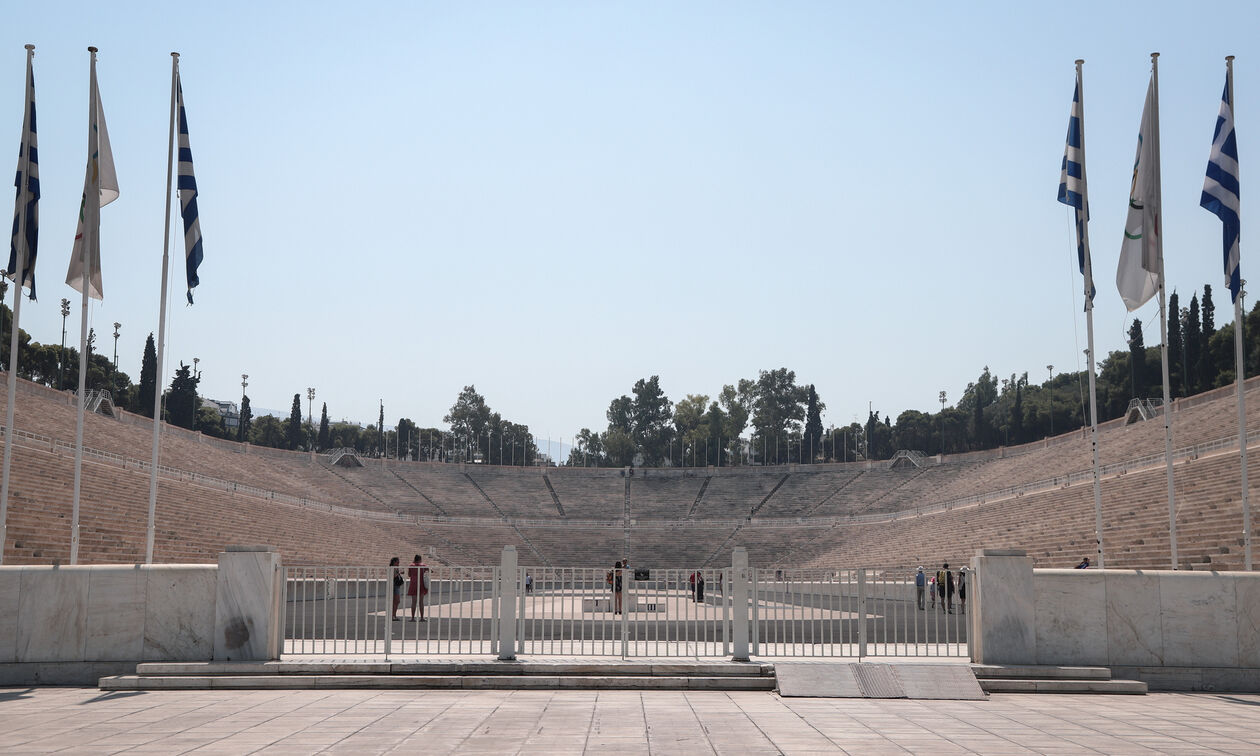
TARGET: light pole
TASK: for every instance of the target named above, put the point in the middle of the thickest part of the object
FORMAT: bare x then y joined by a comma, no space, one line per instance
61,363
196,373
1050,388
310,400
116,327
942,398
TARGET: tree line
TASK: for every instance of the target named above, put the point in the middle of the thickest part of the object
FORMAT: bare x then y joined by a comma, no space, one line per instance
769,419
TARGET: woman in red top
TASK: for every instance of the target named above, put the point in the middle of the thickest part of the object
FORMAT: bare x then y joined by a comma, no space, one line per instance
416,588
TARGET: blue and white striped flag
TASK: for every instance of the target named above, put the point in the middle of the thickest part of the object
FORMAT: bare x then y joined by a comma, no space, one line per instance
27,193
1072,190
188,201
1220,188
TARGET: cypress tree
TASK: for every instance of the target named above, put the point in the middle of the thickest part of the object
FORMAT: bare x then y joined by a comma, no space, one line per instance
323,427
293,428
148,379
1193,335
247,416
1137,359
1176,347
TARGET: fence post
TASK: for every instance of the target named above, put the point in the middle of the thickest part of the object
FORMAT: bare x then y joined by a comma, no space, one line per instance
507,604
739,604
861,586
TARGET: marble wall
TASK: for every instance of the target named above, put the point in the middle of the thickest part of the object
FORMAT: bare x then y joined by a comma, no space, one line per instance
1115,618
106,613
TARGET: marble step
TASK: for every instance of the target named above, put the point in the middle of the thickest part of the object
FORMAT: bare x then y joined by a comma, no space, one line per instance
466,682
1039,672
480,668
1018,685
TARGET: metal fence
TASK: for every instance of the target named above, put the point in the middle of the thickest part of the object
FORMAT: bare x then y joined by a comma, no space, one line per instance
336,611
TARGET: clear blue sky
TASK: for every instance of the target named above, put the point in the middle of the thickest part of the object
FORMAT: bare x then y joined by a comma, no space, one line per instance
552,200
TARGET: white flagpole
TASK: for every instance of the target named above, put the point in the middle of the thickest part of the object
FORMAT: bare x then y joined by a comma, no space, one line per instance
1089,324
91,242
23,252
1239,374
1163,311
161,343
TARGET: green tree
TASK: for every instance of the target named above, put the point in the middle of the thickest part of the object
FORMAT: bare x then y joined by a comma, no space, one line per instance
268,431
148,379
1176,349
812,442
651,416
247,416
181,401
1137,359
588,450
210,422
1206,368
322,439
691,427
1193,330
293,428
778,406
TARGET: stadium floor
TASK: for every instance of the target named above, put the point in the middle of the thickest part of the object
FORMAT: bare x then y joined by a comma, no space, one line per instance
87,721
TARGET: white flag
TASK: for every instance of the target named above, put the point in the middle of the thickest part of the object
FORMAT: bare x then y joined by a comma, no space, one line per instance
100,187
1138,275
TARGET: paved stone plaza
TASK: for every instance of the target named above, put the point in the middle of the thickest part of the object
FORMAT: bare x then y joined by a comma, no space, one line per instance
88,721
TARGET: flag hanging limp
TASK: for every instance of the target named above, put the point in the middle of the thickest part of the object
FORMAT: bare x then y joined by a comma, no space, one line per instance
100,187
1137,277
188,201
1220,187
27,194
1072,190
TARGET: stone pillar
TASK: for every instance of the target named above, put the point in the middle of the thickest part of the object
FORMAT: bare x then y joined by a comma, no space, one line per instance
249,608
1003,613
739,605
508,574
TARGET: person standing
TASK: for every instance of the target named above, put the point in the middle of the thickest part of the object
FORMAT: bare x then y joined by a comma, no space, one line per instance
941,578
617,587
700,586
418,586
949,589
962,591
397,581
920,582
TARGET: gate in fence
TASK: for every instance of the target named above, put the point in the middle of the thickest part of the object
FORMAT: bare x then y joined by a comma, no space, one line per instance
566,611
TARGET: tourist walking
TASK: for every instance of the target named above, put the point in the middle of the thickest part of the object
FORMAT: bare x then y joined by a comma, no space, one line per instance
396,578
920,582
418,586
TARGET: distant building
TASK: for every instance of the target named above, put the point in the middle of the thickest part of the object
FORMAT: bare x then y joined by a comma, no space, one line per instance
229,411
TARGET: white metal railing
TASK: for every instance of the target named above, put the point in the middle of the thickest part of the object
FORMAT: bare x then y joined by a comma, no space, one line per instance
572,611
855,613
350,610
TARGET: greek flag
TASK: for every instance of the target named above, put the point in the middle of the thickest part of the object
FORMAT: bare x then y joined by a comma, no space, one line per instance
188,201
1072,189
27,194
1220,188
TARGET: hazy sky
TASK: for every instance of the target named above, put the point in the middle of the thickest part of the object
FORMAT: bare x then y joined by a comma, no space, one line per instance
553,200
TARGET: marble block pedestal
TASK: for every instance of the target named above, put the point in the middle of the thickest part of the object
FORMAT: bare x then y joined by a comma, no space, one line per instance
1003,615
248,608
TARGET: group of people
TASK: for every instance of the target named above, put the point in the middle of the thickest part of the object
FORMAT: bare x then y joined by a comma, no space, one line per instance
942,585
416,582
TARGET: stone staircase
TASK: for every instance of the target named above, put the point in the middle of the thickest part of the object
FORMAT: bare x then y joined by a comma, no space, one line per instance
460,674
1000,678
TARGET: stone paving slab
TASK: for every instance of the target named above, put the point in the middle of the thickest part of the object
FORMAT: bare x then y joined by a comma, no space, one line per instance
85,720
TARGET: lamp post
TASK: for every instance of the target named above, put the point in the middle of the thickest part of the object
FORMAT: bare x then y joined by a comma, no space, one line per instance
942,398
1050,388
116,327
61,363
310,401
196,373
